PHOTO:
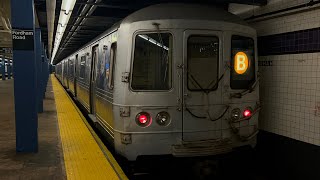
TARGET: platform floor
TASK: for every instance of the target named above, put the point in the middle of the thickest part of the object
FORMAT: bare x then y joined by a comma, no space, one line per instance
47,163
68,147
85,156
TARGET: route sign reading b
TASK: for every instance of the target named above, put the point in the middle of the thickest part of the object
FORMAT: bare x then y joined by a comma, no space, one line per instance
241,62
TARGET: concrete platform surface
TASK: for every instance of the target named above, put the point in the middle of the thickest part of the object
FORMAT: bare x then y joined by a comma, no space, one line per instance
48,162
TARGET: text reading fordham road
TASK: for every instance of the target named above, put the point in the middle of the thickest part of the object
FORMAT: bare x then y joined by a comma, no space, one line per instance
21,34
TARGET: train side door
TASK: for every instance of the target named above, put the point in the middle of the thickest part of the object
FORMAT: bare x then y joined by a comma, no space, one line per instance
66,77
93,78
202,93
69,65
63,74
76,63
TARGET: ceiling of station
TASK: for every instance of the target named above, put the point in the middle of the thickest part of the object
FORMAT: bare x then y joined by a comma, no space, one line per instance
41,15
92,17
5,27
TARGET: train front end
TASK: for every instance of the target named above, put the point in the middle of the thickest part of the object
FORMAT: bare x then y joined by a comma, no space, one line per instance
189,86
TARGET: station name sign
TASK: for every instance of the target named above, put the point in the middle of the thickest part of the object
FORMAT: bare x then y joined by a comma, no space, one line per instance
23,39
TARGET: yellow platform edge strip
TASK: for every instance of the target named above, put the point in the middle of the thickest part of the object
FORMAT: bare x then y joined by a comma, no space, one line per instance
85,156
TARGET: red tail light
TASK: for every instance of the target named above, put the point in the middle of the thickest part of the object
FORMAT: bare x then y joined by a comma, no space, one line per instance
143,119
247,113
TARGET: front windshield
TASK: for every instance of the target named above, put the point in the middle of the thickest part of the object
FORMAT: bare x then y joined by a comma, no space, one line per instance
152,62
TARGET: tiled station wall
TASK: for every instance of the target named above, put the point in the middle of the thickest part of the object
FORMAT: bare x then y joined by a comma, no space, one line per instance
289,66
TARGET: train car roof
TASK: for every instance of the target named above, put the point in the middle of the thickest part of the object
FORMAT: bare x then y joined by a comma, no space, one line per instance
105,33
172,11
183,11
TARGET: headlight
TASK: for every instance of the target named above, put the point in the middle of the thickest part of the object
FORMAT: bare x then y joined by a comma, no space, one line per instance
235,114
163,118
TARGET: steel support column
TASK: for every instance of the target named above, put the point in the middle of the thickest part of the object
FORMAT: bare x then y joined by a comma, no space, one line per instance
38,53
9,69
44,71
24,67
3,69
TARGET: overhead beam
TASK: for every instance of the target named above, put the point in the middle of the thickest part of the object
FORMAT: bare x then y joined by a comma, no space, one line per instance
6,24
5,31
88,25
51,8
81,37
249,2
105,5
87,30
79,34
76,40
98,17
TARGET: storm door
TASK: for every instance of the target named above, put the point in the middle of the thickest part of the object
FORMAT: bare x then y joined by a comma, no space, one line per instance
202,92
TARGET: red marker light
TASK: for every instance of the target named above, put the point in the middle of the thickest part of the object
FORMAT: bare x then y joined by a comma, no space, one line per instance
247,113
143,119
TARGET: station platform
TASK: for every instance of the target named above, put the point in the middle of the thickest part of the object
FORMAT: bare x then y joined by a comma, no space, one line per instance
68,147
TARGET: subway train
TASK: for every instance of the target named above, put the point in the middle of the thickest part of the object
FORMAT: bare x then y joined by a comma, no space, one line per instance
170,79
5,67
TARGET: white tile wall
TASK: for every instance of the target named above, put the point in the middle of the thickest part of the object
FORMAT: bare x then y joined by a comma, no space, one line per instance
290,94
290,88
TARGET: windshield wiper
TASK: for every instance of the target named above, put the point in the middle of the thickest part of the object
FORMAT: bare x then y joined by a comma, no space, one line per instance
198,84
216,84
165,55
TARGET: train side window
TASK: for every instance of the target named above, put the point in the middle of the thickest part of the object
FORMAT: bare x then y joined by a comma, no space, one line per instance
152,62
113,52
242,74
105,67
83,67
71,68
76,66
102,64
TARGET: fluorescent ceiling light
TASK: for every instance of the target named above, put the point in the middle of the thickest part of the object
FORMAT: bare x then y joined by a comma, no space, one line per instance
65,14
60,29
67,5
63,18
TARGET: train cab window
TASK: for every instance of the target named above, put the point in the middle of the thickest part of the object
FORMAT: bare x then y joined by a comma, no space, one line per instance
113,52
152,62
82,67
203,60
105,68
242,74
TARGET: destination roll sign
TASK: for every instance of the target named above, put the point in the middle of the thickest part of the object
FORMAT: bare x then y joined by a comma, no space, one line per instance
23,39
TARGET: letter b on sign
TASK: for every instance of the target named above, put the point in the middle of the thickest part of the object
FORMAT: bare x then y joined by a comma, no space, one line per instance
241,62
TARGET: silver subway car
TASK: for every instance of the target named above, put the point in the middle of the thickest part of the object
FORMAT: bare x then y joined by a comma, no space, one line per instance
170,79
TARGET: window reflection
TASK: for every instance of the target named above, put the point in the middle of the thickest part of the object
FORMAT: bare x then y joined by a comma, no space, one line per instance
152,62
203,58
